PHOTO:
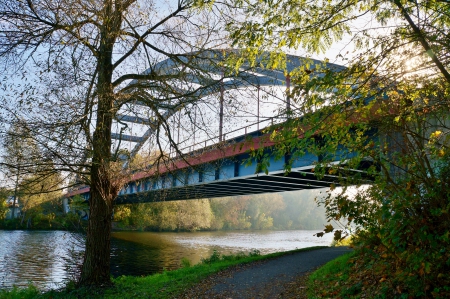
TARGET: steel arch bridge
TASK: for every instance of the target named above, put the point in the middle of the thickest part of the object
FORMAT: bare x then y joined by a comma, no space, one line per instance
210,80
218,170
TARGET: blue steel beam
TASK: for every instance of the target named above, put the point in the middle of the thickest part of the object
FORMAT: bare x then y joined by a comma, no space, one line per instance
124,137
133,119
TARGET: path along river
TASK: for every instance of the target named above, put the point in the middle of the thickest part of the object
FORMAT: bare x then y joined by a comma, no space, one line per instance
45,258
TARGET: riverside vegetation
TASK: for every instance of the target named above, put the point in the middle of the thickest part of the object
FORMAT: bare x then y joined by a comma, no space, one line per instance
164,285
290,210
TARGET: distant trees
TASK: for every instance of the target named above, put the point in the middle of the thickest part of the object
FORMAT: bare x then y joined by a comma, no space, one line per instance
290,210
189,215
30,175
34,191
21,157
4,194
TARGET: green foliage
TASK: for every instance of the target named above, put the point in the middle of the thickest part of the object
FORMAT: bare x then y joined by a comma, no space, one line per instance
185,262
4,208
44,216
381,122
215,257
30,292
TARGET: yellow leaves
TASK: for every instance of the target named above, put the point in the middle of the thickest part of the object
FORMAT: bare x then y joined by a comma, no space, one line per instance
435,134
273,135
393,93
434,138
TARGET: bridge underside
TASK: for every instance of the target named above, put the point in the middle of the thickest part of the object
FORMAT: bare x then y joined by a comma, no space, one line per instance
298,179
230,171
232,177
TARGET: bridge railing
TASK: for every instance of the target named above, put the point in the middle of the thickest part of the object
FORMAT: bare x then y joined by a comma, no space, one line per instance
229,135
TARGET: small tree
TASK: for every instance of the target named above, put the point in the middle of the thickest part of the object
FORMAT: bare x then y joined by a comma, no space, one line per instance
4,193
21,156
37,190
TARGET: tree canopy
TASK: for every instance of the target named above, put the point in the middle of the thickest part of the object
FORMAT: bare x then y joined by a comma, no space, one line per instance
385,115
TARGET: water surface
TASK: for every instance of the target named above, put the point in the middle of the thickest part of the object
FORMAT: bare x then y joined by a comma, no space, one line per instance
46,258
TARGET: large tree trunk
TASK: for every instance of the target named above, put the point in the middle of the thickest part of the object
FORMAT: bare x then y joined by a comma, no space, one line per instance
96,264
103,189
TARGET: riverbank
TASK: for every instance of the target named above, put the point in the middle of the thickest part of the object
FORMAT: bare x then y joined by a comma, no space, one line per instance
50,221
173,284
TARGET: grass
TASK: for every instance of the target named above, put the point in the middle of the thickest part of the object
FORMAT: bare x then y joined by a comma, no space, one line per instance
164,285
328,280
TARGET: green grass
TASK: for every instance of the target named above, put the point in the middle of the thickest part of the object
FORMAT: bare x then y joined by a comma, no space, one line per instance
163,285
327,281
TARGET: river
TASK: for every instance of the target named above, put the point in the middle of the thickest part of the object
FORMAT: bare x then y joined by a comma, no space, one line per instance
46,258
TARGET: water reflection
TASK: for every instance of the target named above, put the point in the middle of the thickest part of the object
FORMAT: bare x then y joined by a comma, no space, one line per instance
34,257
159,251
42,257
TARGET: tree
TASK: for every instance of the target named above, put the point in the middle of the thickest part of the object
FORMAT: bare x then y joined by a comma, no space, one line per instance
179,215
34,180
81,63
230,213
262,210
21,155
386,114
35,191
4,193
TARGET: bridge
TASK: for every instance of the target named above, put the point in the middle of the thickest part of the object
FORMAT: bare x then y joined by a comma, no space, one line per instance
221,166
225,169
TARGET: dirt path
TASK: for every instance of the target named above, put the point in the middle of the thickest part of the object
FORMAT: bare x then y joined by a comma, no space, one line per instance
275,278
